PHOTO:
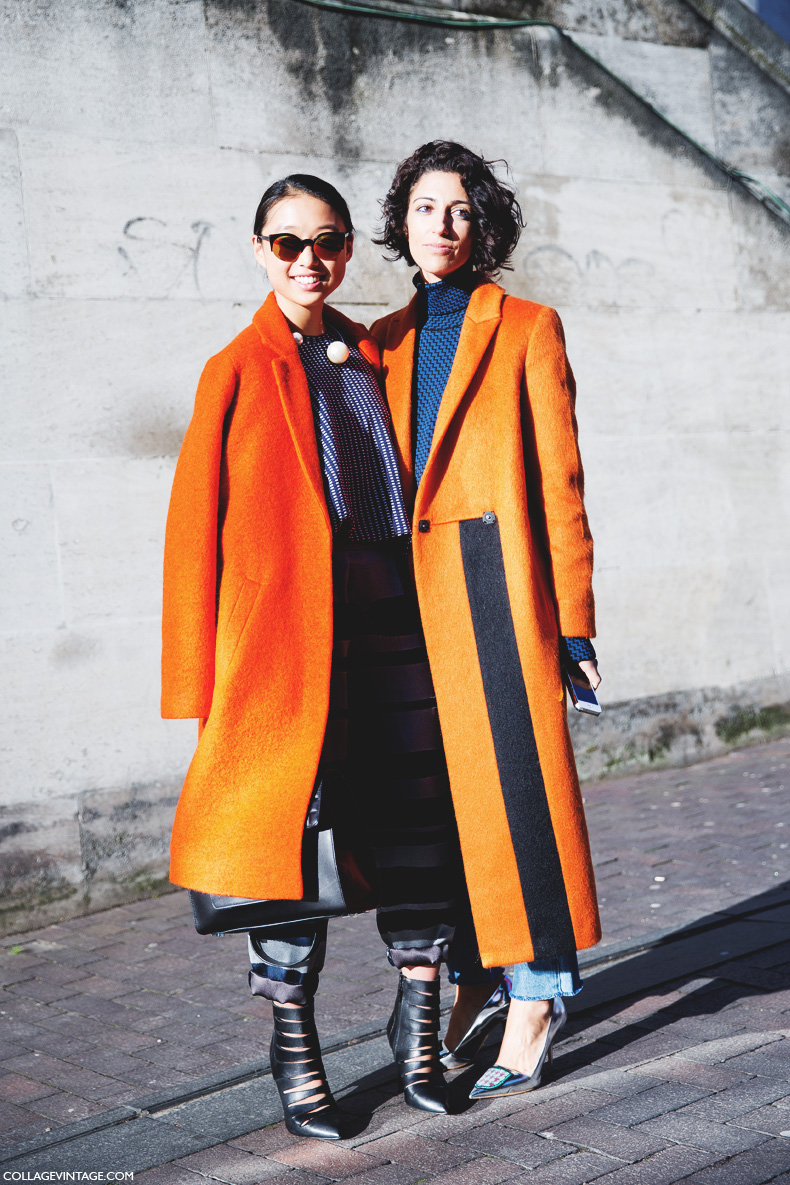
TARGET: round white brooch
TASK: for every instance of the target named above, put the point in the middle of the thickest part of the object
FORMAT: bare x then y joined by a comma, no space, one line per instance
337,352
298,338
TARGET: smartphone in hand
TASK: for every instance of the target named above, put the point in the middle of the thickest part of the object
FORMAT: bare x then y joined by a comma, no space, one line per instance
582,695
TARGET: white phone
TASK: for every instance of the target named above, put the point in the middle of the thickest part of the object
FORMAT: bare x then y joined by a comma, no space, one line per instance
582,695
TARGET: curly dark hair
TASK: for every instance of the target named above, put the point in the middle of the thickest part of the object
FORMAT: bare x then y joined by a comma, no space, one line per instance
496,214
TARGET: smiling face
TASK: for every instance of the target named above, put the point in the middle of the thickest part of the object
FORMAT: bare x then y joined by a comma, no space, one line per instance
439,225
302,286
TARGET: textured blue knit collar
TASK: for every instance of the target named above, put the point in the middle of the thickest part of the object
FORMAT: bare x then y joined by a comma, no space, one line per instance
446,297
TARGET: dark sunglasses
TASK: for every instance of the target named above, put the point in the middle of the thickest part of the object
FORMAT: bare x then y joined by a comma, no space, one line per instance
327,245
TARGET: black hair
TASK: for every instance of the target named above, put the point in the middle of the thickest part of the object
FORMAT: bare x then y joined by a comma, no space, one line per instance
496,215
301,183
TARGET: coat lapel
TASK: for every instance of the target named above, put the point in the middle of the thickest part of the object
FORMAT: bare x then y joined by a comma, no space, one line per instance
398,367
292,381
482,318
294,391
295,397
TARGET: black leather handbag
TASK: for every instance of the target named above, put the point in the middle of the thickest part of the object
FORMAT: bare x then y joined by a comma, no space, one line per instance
335,880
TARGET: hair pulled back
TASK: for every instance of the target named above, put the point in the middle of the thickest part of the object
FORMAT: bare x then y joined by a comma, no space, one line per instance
496,215
295,184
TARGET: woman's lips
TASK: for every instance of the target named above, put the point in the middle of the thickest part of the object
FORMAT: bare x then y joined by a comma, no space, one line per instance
308,283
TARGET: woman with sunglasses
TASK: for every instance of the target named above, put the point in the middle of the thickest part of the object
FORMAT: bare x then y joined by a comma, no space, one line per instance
291,630
482,400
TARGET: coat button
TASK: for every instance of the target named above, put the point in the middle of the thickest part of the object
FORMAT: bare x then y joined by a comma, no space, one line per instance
423,526
489,517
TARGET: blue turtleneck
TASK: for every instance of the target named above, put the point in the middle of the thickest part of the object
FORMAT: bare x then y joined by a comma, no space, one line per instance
441,308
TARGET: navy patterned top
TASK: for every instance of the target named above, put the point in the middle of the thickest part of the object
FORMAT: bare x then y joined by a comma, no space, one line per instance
441,308
352,427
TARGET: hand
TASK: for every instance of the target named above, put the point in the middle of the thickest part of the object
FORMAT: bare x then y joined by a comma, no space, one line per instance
589,667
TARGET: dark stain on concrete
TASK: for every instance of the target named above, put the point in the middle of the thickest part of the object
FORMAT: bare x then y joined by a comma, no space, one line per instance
120,835
137,809
13,829
319,54
327,52
30,879
151,431
740,722
667,22
669,733
676,729
73,649
248,9
752,112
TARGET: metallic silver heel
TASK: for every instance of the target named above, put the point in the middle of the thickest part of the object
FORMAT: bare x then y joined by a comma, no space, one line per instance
493,1011
500,1081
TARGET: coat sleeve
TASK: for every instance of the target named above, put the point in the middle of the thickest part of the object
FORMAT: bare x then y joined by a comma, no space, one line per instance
551,393
190,569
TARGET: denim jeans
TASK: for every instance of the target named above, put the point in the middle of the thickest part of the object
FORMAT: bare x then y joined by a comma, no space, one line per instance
546,978
542,979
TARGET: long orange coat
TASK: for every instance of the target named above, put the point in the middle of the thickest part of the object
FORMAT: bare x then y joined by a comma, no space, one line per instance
247,623
503,563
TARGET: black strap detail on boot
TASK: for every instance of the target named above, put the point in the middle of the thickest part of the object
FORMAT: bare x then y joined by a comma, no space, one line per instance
296,1064
413,1033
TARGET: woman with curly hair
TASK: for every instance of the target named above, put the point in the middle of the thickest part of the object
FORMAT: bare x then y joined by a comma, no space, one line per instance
482,400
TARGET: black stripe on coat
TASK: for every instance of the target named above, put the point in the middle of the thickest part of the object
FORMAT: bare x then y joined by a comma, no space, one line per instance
523,789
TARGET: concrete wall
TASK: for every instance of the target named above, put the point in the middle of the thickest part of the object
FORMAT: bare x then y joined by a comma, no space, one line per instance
136,140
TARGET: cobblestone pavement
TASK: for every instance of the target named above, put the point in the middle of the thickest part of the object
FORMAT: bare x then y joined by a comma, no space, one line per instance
100,1010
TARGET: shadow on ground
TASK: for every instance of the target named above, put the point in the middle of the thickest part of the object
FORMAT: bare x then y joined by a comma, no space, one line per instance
703,969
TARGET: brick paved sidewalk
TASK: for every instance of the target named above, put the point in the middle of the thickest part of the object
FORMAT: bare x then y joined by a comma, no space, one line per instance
691,1083
104,1009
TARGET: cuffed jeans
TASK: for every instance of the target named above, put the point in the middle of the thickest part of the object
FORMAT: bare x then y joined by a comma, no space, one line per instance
542,979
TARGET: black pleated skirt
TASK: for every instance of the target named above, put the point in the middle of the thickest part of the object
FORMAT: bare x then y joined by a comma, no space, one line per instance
383,762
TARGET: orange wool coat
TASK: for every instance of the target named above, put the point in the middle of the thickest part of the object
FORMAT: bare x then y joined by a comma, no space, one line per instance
247,622
503,563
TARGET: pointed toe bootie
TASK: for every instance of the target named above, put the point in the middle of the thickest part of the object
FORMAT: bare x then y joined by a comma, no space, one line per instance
299,1074
413,1033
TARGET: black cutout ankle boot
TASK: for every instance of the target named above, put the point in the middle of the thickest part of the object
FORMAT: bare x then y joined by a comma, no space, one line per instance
413,1032
295,1057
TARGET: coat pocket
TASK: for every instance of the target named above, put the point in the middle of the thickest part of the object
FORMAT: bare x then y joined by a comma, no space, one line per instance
230,632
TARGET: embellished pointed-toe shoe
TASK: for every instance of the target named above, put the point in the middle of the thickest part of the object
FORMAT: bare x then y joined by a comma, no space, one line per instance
501,1081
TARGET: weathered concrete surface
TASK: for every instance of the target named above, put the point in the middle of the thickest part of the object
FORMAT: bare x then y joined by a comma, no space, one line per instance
711,66
667,22
135,141
675,79
76,853
679,728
